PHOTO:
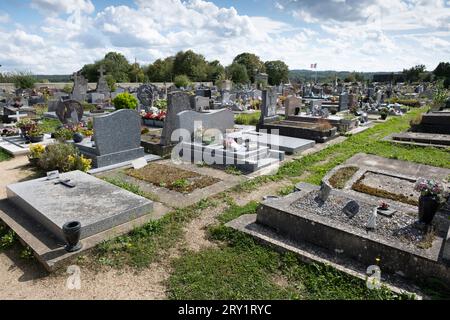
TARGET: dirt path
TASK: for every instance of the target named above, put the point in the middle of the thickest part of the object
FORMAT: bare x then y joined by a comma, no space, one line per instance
22,279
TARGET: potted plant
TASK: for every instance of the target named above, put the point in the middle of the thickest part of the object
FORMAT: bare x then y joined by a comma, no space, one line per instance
36,134
383,114
25,126
333,111
432,194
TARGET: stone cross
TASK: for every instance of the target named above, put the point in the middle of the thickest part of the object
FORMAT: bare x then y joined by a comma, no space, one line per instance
18,116
102,71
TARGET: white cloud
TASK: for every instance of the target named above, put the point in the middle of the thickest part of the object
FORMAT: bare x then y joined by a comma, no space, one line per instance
63,6
337,34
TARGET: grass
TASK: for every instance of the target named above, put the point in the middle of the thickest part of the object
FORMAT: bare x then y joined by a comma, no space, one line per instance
147,243
240,269
248,119
50,125
132,188
4,155
318,164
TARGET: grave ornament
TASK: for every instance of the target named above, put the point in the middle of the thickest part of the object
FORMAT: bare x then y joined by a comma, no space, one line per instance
351,209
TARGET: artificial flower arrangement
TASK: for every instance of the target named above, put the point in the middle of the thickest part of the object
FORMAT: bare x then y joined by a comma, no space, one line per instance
430,188
155,115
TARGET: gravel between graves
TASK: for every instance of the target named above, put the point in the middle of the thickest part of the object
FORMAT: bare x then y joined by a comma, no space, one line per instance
400,227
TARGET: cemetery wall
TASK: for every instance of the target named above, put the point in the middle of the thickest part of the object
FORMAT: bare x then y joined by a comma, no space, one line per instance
92,85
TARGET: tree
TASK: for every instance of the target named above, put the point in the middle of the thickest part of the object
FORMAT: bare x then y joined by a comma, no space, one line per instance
252,63
161,70
182,81
190,64
24,80
237,73
442,70
136,73
115,64
214,70
278,72
414,74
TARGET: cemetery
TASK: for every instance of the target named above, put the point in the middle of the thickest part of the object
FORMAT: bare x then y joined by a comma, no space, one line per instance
228,189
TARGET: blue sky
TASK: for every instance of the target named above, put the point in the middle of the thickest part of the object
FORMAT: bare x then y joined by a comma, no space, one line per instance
60,36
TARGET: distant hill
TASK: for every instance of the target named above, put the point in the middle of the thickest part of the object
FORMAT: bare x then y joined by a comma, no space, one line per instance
326,76
54,78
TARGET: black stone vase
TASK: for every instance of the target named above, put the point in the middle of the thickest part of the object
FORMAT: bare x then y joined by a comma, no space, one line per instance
72,233
428,206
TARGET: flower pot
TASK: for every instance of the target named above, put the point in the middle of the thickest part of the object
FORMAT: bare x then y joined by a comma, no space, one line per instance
383,116
35,139
428,206
72,234
77,137
33,161
149,122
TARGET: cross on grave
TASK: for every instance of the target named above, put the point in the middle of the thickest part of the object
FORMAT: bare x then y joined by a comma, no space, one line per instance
18,116
102,71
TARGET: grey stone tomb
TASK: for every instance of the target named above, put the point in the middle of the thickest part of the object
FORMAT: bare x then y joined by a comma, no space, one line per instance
69,111
80,87
177,102
117,138
269,105
98,205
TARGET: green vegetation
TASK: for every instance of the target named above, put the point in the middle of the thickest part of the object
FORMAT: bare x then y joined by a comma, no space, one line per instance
4,155
182,81
240,269
252,63
49,125
237,73
132,188
149,242
233,170
278,72
248,119
59,156
125,101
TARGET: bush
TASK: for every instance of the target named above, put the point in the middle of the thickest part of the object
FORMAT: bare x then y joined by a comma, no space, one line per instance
248,119
125,101
182,81
23,80
63,157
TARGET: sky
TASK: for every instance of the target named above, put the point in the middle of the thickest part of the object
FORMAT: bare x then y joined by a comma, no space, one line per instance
60,36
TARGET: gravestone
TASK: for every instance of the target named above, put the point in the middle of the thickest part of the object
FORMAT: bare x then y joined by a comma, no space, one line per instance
177,102
292,106
117,139
146,95
269,105
69,112
102,85
216,119
95,97
203,92
343,101
80,87
199,103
